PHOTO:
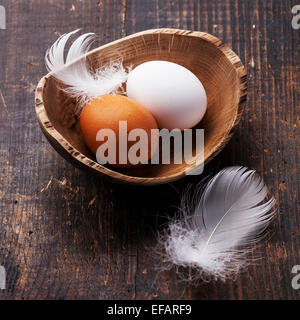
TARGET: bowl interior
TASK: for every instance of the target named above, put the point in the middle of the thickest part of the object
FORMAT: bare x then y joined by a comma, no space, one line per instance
205,59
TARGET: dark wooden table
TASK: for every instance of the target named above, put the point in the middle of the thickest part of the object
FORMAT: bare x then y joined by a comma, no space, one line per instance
67,235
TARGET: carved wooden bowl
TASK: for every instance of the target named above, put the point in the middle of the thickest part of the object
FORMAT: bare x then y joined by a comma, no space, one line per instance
216,65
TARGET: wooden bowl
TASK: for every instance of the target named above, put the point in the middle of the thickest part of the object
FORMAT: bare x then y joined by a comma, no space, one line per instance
216,65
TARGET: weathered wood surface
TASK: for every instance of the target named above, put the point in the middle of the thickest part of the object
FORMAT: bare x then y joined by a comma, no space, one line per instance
67,235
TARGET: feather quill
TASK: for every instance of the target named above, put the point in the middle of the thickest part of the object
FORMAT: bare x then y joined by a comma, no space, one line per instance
81,83
218,224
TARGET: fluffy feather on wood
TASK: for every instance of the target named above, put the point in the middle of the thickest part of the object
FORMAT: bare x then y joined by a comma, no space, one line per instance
218,224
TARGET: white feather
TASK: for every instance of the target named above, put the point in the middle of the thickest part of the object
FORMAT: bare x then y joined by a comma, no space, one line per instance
219,223
73,71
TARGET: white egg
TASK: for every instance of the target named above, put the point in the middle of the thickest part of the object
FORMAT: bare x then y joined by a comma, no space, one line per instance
172,93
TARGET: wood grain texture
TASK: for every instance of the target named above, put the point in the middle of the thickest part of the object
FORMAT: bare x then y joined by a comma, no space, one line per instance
67,235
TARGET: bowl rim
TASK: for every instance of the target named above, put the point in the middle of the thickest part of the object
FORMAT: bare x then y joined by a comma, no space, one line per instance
84,162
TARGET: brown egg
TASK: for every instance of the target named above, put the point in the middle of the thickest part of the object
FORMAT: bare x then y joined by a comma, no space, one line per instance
106,112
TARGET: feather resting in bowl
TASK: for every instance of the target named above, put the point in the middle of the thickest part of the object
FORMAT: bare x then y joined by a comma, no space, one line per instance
215,65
